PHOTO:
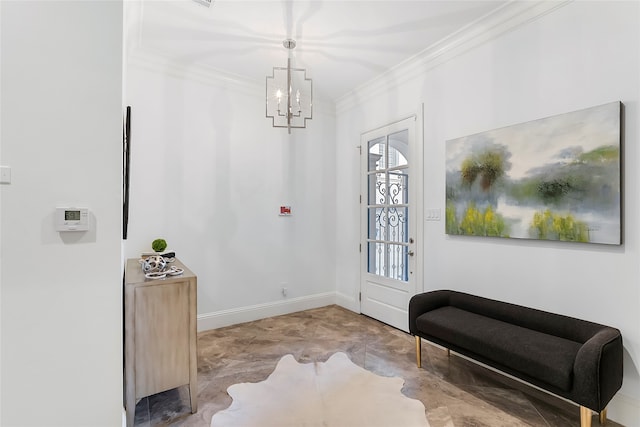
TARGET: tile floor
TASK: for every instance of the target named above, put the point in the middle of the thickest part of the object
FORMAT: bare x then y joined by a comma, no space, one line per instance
455,392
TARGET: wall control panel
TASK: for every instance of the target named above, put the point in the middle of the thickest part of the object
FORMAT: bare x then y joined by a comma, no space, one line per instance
72,219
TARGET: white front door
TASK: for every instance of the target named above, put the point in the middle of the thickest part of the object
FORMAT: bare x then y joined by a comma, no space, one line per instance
388,218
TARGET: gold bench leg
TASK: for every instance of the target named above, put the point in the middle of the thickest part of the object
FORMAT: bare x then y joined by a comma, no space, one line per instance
418,351
585,417
603,417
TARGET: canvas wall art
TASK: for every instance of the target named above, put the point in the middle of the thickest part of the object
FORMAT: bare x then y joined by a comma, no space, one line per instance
556,178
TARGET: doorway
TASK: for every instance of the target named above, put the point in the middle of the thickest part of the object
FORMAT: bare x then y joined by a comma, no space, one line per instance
389,189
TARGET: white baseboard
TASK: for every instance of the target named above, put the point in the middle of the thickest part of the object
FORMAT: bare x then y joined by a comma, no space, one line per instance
250,313
348,302
624,410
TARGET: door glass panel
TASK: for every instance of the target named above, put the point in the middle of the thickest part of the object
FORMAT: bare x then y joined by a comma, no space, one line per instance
398,188
397,262
378,228
377,189
377,255
377,153
398,143
388,260
397,224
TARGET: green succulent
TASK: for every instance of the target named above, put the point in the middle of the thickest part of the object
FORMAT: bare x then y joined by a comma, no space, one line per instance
159,245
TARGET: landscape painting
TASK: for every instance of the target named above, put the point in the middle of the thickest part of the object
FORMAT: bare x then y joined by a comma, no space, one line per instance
556,178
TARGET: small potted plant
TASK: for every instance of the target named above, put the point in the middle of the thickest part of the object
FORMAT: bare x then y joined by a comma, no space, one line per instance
159,245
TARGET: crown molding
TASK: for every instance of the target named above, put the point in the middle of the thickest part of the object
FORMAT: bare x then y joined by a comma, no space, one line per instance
157,62
501,20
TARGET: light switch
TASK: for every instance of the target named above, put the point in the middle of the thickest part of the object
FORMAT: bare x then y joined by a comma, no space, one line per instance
5,175
432,214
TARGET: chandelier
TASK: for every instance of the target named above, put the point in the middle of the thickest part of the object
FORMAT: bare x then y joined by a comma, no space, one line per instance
289,95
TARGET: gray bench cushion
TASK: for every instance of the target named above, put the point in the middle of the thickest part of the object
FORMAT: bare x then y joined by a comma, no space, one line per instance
532,353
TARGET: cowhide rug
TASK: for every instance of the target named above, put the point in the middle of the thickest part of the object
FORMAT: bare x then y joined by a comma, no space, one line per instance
336,393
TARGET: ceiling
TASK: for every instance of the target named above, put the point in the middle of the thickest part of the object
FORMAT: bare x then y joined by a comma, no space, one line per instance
342,44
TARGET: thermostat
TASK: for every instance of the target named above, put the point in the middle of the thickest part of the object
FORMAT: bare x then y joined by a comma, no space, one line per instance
72,219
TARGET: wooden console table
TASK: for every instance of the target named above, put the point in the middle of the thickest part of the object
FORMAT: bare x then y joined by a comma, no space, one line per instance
160,334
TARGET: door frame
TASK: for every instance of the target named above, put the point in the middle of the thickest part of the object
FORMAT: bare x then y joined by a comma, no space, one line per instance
416,165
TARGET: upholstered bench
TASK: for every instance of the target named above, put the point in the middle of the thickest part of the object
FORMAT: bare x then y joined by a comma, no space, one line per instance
578,360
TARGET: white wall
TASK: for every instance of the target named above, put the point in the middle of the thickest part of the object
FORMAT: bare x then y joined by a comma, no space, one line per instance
581,55
62,136
209,174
